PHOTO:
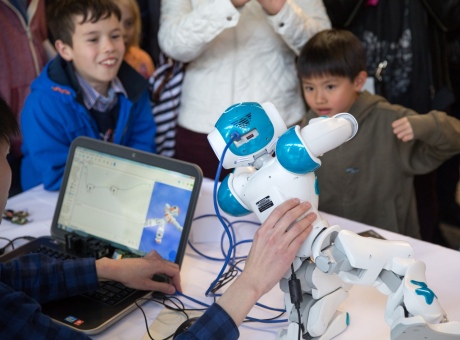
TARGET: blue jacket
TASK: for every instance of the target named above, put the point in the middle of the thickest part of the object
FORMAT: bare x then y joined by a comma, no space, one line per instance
54,115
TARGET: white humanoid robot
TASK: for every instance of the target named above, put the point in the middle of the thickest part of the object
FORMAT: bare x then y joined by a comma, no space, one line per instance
169,217
274,163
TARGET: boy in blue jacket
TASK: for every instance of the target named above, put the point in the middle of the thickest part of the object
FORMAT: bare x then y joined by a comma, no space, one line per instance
86,90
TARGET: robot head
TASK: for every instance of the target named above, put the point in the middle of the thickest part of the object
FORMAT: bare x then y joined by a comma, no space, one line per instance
257,128
174,210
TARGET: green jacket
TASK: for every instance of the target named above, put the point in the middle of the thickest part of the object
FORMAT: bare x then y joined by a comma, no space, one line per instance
369,179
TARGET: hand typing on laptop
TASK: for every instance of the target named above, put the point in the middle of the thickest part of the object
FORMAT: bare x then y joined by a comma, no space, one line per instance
138,272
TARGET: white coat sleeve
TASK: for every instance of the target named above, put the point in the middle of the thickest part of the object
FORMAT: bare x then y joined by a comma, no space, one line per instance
299,20
185,30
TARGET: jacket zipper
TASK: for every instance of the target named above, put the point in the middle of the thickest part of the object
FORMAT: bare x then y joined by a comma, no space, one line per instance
32,9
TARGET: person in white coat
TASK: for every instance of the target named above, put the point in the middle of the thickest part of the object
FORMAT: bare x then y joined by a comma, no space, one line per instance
235,50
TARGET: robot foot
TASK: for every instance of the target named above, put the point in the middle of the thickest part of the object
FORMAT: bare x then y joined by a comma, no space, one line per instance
158,240
338,324
417,328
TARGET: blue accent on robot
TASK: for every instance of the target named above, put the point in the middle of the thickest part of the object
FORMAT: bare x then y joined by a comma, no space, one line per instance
231,206
292,154
424,291
242,118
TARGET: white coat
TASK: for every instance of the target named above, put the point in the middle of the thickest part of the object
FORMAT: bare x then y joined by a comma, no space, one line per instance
237,55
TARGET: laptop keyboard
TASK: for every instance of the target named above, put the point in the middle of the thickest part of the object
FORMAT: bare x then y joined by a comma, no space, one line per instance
109,292
53,253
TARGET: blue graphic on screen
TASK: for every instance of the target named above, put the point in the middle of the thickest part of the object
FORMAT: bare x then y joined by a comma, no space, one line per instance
165,219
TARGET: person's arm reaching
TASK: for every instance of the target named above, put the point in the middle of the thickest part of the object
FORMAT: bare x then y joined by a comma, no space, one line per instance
272,252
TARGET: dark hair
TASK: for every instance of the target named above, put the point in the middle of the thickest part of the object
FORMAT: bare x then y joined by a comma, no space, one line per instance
61,15
8,124
332,52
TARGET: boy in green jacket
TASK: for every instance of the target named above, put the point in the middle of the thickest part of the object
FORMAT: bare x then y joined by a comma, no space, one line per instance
370,178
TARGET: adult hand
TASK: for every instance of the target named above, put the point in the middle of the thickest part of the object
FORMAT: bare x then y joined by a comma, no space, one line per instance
138,272
403,129
272,7
273,249
272,252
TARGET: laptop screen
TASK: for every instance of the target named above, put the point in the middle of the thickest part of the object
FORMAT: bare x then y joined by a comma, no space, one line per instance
132,204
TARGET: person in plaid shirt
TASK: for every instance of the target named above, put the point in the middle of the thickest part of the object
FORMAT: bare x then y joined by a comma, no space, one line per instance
35,278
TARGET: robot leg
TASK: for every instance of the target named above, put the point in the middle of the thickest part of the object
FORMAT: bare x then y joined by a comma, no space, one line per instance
160,233
322,295
414,312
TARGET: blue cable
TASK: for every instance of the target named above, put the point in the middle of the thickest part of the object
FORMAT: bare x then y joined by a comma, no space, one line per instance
247,317
229,230
192,299
216,208
205,256
210,215
199,252
266,321
281,310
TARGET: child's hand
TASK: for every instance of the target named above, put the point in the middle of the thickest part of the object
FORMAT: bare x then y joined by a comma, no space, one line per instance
402,129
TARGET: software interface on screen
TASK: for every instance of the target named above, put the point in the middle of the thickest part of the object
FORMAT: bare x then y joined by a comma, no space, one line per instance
126,202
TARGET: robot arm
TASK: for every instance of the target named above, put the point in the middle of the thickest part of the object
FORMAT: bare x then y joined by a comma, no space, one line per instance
298,149
152,222
176,224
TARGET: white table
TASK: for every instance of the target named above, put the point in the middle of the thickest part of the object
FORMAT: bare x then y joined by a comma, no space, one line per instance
365,304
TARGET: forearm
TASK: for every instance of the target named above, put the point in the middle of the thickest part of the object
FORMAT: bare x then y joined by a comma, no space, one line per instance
436,128
105,269
297,22
239,299
45,278
186,30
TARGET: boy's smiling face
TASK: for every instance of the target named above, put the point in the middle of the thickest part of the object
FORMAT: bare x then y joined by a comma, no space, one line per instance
97,51
329,95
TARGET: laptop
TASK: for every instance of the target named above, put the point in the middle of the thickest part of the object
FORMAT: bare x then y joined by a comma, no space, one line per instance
117,202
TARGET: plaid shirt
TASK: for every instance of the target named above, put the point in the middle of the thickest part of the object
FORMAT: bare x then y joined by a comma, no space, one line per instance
32,279
214,324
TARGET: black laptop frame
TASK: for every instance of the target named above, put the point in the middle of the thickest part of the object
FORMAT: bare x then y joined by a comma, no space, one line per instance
127,153
58,309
